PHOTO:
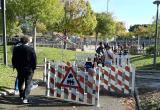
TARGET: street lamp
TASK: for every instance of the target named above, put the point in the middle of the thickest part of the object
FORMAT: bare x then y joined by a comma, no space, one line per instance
157,2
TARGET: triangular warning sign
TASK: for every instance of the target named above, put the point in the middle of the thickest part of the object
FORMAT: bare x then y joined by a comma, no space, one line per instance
70,79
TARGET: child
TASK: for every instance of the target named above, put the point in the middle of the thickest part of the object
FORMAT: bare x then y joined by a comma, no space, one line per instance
89,64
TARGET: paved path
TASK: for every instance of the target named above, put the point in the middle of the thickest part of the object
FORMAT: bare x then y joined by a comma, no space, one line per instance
148,80
40,102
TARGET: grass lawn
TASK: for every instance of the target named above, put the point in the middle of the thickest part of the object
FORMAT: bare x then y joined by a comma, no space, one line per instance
144,62
51,54
7,76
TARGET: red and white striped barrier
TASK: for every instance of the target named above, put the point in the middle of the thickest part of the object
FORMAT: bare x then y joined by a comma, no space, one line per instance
82,93
119,80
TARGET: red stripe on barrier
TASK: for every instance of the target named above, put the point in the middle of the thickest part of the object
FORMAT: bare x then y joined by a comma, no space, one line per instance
52,70
106,82
89,95
52,80
120,73
113,68
81,90
119,91
127,78
90,73
90,85
73,97
52,91
81,78
58,95
58,85
112,77
97,77
127,87
127,68
112,87
120,83
106,73
60,75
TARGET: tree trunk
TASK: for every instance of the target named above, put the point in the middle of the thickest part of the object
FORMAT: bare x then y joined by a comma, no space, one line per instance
96,40
138,41
65,34
34,35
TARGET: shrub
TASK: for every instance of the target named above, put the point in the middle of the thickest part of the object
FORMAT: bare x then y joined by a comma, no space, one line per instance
133,50
150,50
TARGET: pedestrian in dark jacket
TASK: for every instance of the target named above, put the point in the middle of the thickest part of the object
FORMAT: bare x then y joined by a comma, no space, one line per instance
24,60
100,49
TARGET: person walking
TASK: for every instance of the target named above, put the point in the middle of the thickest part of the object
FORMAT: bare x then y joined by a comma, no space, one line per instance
100,53
24,61
108,56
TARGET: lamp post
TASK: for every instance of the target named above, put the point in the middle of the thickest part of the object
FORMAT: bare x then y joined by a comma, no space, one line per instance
107,5
3,10
157,2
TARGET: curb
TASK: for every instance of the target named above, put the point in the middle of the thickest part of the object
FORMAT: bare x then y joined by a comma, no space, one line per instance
137,99
148,71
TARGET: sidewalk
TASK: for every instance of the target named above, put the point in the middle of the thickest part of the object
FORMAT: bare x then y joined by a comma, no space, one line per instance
40,102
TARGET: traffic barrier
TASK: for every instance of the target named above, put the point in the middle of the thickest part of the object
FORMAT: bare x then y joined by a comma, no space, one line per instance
118,80
73,84
77,86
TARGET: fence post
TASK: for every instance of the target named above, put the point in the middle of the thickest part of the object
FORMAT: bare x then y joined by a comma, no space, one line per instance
98,74
45,70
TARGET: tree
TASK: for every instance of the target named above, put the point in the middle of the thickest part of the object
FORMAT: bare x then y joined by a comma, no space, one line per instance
79,18
141,30
120,30
105,25
85,21
41,27
46,11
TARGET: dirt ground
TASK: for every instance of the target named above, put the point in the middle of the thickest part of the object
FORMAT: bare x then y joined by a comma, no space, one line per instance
148,85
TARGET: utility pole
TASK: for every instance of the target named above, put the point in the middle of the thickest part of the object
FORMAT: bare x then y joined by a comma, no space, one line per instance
3,10
157,2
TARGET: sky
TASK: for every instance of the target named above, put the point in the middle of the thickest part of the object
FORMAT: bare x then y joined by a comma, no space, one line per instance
129,11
